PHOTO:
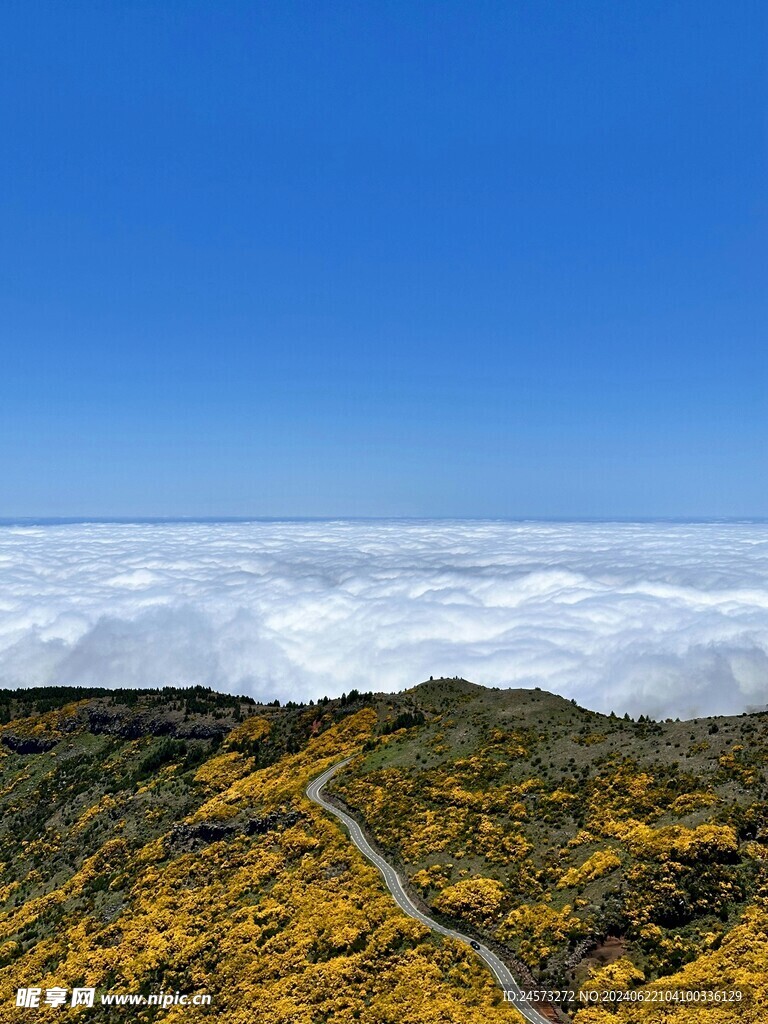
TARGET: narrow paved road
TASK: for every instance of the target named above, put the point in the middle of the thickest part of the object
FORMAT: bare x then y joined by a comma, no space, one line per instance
498,968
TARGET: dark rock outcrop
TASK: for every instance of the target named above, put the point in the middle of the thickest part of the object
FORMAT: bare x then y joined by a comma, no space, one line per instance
192,835
201,730
132,726
271,822
28,744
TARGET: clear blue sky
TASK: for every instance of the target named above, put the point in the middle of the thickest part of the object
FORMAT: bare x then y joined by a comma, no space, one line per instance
418,258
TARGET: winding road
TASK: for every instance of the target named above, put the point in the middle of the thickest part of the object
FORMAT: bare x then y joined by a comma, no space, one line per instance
393,882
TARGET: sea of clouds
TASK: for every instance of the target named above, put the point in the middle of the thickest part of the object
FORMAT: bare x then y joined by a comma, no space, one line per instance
664,619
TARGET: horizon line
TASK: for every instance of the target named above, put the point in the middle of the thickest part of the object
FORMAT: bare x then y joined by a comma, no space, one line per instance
160,520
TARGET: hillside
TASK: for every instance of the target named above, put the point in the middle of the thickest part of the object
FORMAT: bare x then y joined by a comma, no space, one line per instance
161,840
601,852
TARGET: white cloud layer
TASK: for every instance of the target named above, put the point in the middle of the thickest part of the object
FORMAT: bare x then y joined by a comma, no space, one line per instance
662,619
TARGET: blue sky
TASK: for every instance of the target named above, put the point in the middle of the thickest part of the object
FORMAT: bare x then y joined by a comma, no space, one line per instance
472,259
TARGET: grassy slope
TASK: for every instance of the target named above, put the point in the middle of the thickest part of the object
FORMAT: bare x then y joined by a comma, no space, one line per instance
544,825
553,828
101,886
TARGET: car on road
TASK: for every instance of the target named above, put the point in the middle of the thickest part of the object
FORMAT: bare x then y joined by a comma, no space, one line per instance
474,945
